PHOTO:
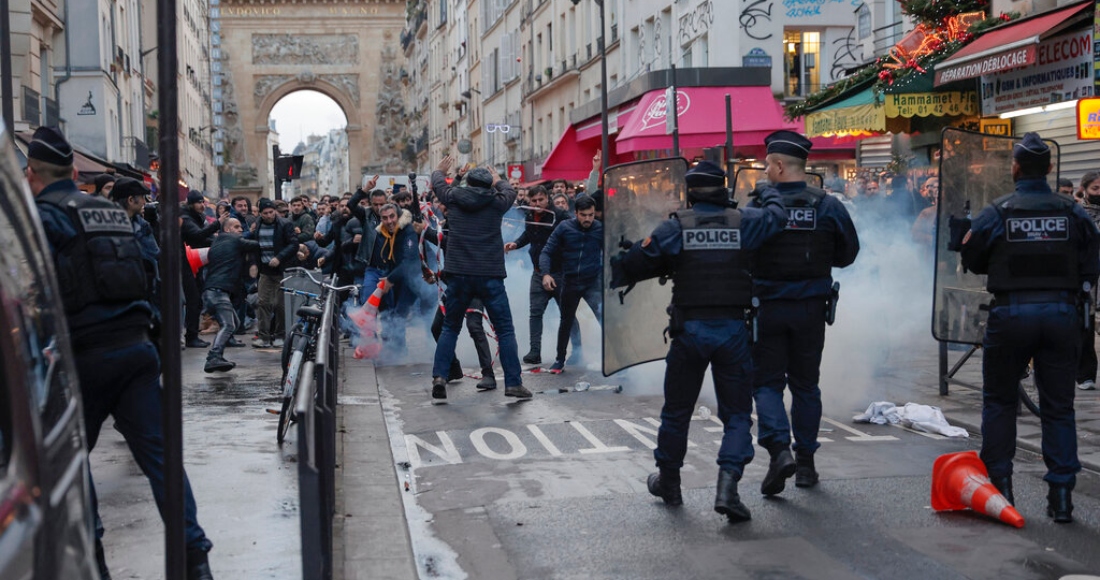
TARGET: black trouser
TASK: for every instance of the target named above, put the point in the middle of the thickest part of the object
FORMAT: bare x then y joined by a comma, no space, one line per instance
476,328
1086,365
192,296
570,294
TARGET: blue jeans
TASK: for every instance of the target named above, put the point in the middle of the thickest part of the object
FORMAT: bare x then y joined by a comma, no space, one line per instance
1049,334
724,346
124,382
461,290
788,353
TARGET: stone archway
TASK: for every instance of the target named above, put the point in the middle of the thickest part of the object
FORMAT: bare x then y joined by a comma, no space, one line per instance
345,51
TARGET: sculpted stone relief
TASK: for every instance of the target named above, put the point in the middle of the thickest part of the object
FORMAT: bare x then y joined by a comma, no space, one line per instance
264,84
390,133
297,49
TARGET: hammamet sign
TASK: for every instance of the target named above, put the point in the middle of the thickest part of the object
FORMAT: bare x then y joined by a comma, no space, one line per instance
950,104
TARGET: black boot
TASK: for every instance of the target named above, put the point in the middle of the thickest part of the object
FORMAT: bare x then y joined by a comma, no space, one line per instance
488,380
101,561
666,485
780,469
1059,503
804,473
198,567
456,371
1004,485
439,388
727,502
215,363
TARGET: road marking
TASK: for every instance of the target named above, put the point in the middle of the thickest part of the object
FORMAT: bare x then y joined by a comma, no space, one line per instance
597,445
859,435
448,453
518,449
544,440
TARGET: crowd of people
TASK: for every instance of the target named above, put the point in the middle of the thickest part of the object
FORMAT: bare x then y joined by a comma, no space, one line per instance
752,293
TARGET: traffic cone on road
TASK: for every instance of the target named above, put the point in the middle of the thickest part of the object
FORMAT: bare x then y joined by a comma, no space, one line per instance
196,258
960,481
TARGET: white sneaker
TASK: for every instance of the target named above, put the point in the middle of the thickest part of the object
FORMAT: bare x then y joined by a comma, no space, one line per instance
1087,386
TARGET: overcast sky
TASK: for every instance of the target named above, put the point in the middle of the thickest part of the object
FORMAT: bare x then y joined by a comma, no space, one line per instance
305,113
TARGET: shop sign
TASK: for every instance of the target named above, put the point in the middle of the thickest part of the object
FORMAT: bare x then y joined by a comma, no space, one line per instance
1000,128
1096,47
989,65
1088,118
856,119
951,104
1062,72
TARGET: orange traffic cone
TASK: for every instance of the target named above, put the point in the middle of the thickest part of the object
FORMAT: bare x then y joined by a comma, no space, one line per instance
196,258
960,481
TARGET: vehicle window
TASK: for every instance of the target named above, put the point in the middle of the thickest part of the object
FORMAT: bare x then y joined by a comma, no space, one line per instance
24,271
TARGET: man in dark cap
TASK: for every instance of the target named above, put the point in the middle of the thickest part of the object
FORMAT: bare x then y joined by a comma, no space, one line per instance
278,246
109,319
1037,249
474,268
132,195
104,182
707,250
196,233
793,280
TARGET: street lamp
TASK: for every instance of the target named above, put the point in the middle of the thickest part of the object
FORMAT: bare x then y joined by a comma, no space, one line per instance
603,88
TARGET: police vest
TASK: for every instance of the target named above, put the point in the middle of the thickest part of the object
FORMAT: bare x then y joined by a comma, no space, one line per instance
103,263
803,250
712,269
1039,251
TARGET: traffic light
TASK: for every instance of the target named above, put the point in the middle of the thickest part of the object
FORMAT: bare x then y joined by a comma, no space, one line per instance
288,167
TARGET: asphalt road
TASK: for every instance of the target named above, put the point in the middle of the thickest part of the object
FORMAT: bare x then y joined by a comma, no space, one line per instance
555,488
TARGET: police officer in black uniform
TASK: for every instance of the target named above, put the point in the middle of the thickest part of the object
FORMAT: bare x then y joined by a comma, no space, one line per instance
102,280
707,250
1037,248
794,284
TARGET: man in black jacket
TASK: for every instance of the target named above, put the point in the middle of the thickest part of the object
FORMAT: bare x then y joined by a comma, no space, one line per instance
223,281
195,232
540,221
474,268
577,245
278,245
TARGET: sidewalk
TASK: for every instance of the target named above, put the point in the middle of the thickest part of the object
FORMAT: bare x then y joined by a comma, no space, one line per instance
370,535
963,405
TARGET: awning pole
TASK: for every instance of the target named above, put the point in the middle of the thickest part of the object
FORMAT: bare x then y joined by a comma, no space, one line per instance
729,141
675,110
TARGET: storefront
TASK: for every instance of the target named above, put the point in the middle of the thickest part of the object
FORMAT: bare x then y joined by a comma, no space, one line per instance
1031,74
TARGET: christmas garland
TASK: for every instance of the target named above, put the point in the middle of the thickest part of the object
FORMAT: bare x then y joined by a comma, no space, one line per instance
929,43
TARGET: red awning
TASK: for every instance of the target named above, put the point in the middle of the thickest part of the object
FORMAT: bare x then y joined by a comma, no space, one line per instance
592,128
570,159
1011,46
756,114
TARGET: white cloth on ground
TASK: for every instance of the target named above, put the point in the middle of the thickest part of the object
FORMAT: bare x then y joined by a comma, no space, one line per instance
920,417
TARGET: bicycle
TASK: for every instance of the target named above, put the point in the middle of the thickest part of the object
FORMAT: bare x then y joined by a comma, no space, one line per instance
302,343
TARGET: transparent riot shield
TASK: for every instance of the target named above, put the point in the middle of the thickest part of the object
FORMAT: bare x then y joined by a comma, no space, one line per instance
975,169
639,196
746,179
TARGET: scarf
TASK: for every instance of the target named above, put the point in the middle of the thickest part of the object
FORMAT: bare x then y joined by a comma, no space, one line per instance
389,239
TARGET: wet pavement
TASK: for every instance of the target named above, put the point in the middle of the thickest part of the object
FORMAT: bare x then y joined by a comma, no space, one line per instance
246,487
554,487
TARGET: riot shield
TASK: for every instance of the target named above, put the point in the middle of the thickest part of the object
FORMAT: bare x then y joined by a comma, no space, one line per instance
975,169
746,178
639,196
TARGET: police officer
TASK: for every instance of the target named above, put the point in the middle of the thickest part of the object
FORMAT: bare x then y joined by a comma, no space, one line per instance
794,284
707,251
1037,249
109,320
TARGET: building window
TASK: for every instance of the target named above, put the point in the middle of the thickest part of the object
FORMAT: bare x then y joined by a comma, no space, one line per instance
801,62
864,19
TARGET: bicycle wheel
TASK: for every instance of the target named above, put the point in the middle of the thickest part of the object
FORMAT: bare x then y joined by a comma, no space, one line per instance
1029,397
290,387
288,346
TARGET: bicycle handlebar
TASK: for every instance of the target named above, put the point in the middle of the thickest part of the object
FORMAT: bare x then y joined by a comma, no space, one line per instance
309,274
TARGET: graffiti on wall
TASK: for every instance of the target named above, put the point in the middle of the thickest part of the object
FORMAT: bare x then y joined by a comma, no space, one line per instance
696,22
848,54
812,8
755,13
